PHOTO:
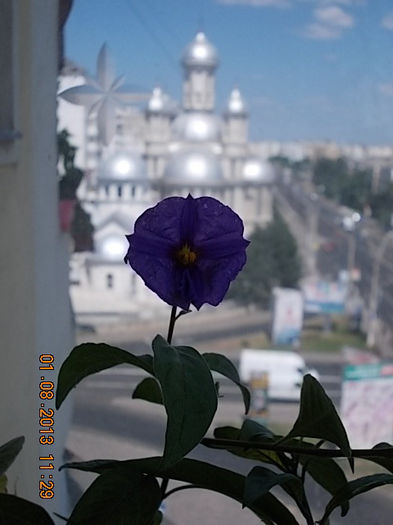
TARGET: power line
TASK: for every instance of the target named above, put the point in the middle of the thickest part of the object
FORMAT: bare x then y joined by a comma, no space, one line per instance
372,254
170,31
153,34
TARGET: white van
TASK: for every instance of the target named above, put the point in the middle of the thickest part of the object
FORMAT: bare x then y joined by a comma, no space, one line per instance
285,371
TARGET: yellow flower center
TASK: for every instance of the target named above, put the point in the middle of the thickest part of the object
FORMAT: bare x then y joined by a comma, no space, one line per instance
185,255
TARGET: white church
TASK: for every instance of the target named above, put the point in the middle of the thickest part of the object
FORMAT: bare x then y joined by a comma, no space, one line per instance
135,155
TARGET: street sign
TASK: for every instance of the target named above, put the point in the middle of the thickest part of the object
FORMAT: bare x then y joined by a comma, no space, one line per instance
324,297
367,403
287,316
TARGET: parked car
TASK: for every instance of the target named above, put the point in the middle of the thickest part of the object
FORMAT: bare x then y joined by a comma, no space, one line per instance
285,371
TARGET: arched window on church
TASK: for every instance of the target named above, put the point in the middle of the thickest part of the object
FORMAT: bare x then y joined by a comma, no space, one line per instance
109,280
133,191
120,190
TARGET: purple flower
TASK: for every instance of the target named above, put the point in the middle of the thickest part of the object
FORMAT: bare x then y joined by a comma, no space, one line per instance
188,250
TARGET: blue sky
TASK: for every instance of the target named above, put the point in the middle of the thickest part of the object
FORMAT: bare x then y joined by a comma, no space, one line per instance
309,69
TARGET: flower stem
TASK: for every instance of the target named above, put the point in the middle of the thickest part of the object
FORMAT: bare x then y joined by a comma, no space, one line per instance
171,327
172,322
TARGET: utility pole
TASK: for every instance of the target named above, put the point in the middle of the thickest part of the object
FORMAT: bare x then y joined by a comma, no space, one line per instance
351,255
372,325
312,237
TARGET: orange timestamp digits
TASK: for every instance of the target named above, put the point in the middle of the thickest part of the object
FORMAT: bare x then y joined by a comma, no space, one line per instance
46,423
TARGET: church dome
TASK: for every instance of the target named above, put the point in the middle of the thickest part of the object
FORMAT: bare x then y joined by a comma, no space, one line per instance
258,170
193,167
122,167
112,247
200,52
196,127
160,103
236,105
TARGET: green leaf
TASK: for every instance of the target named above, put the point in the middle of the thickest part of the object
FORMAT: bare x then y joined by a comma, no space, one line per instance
384,462
318,418
328,474
189,396
268,508
3,484
265,456
19,511
325,471
120,496
149,390
354,488
90,358
261,480
9,451
253,431
221,364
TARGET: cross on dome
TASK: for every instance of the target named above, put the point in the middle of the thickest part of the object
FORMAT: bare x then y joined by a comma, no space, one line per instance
200,53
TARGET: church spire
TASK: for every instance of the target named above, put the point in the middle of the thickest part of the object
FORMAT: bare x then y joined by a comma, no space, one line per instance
199,61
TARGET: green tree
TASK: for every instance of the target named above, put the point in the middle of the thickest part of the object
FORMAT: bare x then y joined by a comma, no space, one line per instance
330,176
337,181
272,260
81,228
381,204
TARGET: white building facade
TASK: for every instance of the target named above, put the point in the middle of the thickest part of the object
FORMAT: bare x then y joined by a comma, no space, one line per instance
162,150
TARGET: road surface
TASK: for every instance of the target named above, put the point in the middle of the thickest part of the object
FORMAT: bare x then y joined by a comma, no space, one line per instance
109,424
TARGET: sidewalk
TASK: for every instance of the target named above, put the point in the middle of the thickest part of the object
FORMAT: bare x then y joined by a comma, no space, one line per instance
209,320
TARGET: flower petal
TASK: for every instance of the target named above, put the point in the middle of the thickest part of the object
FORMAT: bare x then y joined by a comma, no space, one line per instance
150,244
162,220
158,274
217,276
203,224
228,244
214,220
188,220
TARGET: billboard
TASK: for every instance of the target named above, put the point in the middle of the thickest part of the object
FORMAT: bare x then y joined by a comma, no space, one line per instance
287,321
367,403
324,297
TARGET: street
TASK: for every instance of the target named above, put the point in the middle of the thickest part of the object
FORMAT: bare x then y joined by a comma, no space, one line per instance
107,423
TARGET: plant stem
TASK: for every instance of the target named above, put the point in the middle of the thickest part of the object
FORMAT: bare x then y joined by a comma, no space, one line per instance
164,485
183,487
171,327
356,453
172,322
307,511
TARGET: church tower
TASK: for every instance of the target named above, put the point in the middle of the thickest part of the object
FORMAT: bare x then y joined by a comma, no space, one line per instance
236,119
200,60
159,114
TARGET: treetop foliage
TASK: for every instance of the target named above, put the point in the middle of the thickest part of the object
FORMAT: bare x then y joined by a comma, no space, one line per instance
272,260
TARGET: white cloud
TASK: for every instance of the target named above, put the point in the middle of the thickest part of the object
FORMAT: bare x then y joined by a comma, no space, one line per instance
288,3
321,32
387,21
329,23
343,2
257,3
333,16
386,89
